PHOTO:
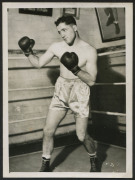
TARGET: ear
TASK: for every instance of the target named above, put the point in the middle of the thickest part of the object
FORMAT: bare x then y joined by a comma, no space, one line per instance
75,27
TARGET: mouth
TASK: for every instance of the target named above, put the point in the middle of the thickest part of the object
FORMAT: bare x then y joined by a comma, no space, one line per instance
65,39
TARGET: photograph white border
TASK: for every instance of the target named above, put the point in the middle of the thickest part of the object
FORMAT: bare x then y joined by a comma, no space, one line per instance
129,93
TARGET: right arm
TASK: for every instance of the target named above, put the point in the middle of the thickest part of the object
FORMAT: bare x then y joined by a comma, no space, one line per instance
26,44
38,62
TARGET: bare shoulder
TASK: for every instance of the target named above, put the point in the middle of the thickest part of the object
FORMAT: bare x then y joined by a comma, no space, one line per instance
89,49
57,44
55,47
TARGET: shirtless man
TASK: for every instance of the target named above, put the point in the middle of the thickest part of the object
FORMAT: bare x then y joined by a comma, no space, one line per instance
78,70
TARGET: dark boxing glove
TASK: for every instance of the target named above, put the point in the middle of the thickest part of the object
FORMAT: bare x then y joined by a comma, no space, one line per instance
70,61
26,44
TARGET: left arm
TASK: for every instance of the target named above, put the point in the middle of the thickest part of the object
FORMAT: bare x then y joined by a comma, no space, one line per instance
89,76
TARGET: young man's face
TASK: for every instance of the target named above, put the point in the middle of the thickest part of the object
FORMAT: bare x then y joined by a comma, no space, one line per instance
67,32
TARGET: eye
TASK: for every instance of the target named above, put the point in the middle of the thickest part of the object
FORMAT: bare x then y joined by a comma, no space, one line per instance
64,30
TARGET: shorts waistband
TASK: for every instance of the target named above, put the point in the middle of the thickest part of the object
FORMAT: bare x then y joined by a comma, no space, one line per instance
66,79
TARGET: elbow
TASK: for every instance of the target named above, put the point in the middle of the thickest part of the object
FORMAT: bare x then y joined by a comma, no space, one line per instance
91,83
39,65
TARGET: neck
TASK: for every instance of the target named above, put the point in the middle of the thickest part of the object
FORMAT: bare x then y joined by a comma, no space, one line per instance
76,40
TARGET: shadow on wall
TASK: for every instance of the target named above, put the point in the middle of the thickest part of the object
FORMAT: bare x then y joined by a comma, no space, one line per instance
112,98
109,97
106,74
53,74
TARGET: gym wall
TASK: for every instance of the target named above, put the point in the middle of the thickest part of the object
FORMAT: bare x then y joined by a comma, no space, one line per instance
43,29
30,89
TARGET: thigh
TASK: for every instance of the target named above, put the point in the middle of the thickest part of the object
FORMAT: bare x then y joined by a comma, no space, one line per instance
79,99
53,119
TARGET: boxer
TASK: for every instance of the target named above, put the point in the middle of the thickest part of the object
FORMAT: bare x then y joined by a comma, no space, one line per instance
78,70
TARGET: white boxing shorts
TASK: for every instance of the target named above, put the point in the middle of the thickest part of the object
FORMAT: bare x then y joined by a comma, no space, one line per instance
73,94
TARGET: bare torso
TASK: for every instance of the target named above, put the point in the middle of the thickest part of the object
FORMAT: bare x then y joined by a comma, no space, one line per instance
80,49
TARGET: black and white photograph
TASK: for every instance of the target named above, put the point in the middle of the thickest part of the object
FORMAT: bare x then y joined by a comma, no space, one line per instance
67,90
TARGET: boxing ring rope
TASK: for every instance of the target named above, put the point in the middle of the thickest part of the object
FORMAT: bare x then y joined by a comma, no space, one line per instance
38,88
99,54
108,113
92,111
113,52
33,88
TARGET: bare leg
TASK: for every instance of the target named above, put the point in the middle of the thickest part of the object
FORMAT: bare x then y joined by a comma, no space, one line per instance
83,136
53,119
115,13
116,21
109,13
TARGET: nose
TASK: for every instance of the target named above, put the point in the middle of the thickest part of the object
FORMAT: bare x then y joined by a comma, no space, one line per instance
62,34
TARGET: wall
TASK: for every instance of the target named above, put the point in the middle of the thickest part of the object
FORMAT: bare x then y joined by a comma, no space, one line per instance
43,30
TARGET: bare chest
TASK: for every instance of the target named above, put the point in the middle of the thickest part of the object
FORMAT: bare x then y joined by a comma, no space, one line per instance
81,53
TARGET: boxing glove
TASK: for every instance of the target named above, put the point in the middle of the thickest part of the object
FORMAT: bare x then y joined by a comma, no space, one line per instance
70,61
26,44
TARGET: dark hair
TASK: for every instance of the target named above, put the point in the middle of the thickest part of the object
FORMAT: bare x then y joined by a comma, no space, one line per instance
65,19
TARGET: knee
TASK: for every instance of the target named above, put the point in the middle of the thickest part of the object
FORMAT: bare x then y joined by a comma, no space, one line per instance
48,132
81,136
